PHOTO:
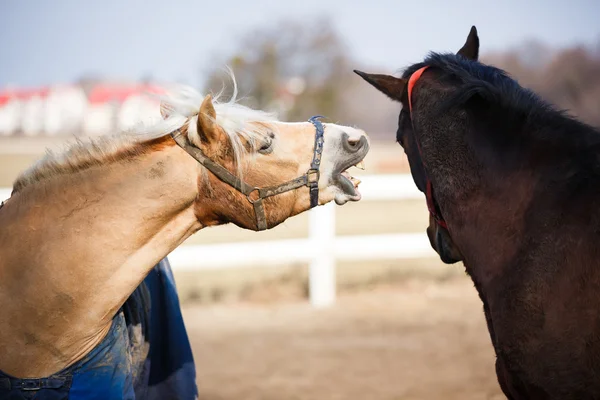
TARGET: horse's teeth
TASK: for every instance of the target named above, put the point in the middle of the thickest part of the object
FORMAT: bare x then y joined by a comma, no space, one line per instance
360,165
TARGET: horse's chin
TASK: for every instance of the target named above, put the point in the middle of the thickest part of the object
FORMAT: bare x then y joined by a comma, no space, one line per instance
341,199
448,252
442,244
346,189
446,258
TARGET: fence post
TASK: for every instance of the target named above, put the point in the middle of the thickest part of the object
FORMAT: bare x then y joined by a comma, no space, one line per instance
321,277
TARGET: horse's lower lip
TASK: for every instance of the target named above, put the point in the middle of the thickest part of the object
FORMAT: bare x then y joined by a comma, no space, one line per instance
343,180
348,187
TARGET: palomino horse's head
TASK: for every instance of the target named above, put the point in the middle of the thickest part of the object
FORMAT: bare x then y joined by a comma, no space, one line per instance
400,89
257,171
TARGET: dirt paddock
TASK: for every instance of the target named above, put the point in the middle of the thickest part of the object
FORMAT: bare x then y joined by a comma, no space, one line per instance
414,340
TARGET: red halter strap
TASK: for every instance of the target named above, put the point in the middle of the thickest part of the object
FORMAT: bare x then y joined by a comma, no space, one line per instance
429,188
411,84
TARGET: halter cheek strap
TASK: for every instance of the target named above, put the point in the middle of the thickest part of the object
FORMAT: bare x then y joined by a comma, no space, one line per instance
411,84
313,174
429,188
256,195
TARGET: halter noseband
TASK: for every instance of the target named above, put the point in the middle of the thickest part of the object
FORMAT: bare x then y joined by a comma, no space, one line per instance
256,195
429,188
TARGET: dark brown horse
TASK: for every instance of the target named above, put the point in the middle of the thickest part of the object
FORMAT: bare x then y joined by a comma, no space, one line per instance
513,187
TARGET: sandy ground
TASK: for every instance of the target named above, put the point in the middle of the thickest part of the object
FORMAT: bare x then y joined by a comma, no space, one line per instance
415,340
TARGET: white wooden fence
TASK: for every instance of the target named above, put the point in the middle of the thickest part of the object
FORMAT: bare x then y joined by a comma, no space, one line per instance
322,247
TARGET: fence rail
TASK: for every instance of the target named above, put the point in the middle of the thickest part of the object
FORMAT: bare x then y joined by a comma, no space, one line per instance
321,249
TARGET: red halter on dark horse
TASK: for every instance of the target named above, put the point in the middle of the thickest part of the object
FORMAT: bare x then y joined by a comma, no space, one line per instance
429,189
518,185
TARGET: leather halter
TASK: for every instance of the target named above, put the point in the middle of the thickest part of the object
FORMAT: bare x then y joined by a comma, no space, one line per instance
429,188
256,195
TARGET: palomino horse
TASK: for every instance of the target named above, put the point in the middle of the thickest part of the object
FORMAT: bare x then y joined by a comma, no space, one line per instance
84,228
513,187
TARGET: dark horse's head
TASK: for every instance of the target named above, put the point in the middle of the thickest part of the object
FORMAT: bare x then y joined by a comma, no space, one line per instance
512,188
399,89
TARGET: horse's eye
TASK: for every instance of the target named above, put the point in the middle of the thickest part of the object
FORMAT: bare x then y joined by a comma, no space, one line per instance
267,145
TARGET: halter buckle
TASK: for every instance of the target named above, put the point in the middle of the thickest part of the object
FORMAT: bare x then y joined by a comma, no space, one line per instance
312,176
254,199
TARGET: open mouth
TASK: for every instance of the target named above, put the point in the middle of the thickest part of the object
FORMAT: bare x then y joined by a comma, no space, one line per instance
349,184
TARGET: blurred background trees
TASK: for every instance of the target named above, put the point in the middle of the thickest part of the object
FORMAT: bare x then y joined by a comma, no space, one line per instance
569,78
299,69
292,67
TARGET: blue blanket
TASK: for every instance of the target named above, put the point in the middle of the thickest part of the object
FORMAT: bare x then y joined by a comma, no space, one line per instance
145,355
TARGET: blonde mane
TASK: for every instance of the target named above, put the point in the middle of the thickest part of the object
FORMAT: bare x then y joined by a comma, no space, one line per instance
183,104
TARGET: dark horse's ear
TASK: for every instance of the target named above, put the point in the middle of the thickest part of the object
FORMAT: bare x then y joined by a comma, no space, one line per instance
389,85
470,49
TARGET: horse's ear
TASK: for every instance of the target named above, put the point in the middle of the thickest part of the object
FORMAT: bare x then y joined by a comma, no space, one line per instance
470,49
207,120
389,85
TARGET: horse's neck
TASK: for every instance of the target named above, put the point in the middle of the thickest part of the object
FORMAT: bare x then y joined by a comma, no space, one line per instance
75,246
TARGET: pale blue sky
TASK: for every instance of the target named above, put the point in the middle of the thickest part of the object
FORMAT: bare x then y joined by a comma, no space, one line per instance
50,41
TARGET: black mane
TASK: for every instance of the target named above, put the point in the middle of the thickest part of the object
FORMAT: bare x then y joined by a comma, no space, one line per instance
514,102
490,82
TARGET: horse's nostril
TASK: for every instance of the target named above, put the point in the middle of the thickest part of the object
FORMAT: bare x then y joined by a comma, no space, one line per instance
353,144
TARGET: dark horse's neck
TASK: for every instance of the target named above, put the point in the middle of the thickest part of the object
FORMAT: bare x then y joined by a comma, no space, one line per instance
512,175
518,184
